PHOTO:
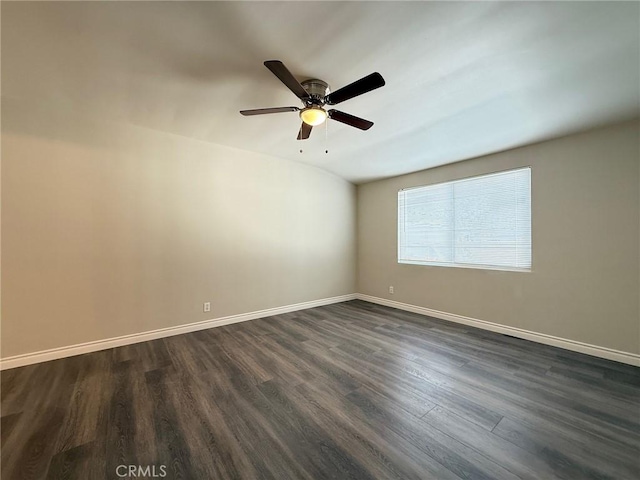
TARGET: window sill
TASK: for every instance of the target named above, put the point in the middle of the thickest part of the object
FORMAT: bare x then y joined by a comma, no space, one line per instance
464,265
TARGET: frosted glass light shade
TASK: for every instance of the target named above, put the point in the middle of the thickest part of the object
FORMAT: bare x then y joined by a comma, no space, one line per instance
313,116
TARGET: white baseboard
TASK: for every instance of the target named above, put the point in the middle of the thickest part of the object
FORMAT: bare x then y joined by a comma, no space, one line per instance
88,347
69,351
594,350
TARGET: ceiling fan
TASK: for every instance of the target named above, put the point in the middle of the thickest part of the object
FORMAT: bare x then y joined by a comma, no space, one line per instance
315,95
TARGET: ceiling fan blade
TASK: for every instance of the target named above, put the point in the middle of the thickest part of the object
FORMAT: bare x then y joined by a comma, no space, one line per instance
364,85
262,111
285,76
347,119
305,131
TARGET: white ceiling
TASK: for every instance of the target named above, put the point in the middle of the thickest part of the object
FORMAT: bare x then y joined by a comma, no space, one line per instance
463,79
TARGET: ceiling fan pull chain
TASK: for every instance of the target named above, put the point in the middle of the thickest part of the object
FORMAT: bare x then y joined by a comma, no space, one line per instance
326,137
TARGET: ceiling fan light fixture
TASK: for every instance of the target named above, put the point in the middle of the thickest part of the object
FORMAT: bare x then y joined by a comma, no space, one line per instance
313,115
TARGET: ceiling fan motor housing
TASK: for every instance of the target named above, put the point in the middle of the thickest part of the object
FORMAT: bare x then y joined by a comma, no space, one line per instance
317,89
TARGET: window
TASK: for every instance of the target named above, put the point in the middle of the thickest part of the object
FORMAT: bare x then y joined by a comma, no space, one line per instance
479,222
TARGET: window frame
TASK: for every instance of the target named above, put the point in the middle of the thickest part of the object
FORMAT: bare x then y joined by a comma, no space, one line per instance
430,263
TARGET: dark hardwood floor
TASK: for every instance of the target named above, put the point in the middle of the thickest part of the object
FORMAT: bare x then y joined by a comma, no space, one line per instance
351,390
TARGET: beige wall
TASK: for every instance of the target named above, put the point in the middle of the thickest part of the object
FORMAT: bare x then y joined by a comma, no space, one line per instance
109,230
585,280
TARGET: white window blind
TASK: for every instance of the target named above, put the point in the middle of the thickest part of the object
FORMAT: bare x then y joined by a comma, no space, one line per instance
481,222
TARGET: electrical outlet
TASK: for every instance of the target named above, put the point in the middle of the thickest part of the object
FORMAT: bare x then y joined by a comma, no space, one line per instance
207,307
391,289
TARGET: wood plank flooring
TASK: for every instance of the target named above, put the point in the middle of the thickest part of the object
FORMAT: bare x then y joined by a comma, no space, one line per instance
347,391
